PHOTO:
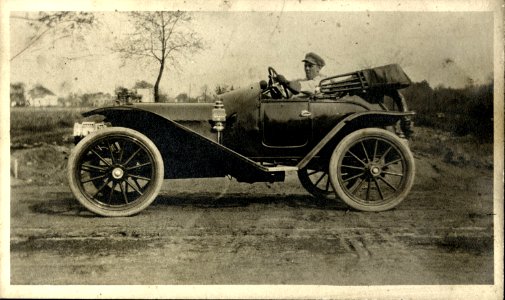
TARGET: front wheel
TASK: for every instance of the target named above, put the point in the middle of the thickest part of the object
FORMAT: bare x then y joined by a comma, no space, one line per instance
115,172
372,170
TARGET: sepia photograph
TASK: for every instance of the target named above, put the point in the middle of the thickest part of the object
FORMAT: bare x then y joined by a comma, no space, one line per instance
251,149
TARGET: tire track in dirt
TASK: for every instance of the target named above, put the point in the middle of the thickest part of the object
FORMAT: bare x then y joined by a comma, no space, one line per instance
358,247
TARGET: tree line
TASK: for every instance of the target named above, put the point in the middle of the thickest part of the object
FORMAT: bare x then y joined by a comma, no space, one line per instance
20,95
462,111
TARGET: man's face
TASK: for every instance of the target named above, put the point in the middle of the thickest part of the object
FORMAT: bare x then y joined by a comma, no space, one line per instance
311,71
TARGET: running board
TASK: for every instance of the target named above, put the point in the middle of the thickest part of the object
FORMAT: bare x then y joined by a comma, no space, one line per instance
280,168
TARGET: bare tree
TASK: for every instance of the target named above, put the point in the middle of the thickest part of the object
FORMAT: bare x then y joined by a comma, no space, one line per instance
61,24
204,93
17,93
160,37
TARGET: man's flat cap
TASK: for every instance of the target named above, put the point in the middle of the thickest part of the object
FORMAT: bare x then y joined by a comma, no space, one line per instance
314,59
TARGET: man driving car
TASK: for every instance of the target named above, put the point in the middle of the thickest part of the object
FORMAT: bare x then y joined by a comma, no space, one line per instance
313,64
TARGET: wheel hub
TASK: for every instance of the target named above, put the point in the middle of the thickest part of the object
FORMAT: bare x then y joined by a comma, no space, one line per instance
375,170
117,173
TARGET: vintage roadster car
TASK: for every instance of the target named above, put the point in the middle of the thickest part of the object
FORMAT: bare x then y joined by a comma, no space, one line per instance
347,141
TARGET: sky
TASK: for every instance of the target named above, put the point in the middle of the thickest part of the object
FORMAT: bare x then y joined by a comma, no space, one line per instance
443,48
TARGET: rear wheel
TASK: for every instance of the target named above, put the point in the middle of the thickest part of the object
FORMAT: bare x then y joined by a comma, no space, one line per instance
115,172
372,169
317,182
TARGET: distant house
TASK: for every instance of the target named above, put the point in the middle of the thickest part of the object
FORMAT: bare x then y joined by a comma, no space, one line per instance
146,95
41,96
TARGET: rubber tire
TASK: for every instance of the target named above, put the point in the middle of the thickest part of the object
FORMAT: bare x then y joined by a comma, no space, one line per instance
312,189
350,139
139,204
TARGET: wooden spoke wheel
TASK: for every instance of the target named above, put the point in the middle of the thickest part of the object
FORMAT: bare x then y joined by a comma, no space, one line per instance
317,182
372,170
115,172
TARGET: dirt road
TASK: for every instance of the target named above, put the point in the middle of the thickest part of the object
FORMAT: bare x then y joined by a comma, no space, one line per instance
216,231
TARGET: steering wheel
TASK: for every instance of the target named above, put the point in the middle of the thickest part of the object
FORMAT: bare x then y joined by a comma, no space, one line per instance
273,82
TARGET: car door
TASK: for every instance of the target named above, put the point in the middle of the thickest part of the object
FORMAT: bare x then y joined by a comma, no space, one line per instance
285,123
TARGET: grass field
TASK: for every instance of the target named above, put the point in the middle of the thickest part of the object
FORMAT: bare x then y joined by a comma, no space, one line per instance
34,119
32,124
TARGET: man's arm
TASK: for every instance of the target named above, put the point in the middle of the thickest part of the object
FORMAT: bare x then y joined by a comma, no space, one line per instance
294,85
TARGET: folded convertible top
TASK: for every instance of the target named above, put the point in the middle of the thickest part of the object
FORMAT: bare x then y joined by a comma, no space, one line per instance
375,79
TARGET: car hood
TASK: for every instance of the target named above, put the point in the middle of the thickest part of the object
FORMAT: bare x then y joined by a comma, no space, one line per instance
179,111
236,101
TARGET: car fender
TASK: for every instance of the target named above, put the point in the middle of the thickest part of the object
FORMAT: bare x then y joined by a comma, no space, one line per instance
188,153
357,120
147,122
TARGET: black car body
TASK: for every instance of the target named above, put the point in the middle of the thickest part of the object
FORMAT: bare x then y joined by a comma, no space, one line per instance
346,141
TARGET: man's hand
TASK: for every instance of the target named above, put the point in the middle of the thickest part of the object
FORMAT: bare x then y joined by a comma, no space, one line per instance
294,86
281,79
